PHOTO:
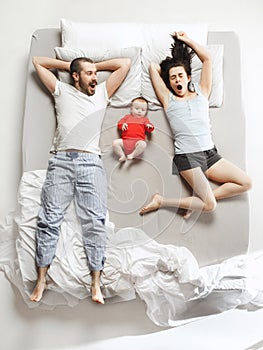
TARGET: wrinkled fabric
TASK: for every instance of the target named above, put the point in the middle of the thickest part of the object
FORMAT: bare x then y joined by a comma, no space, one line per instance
166,277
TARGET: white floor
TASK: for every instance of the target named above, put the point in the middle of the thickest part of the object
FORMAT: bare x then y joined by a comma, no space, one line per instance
232,330
76,329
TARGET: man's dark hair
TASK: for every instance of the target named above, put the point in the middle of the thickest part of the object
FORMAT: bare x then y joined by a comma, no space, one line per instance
75,65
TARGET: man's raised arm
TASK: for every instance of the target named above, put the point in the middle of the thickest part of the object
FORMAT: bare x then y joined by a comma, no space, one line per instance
43,66
119,68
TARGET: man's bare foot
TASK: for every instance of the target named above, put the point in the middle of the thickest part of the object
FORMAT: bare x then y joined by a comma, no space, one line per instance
96,295
154,204
38,291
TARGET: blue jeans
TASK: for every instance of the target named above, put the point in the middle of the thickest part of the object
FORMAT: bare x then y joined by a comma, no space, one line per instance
80,176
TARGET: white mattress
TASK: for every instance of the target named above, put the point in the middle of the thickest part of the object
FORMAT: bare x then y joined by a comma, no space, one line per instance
211,237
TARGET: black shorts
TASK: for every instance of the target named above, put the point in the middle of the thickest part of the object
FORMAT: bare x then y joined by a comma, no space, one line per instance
204,160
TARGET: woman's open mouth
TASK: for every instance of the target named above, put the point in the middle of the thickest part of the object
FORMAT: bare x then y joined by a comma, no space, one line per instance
179,87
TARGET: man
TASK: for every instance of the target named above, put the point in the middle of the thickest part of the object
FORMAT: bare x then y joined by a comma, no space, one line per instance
75,170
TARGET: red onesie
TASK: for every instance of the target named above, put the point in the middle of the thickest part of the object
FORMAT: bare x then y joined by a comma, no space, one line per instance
135,132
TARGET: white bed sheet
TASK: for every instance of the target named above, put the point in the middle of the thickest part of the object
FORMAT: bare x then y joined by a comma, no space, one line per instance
166,277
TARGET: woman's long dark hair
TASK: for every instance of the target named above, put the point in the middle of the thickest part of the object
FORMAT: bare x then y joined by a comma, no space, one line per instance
181,56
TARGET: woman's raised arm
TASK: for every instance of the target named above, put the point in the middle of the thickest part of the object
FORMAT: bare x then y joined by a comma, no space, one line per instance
205,58
158,84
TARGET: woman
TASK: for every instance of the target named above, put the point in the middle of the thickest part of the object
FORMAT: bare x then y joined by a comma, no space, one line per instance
187,109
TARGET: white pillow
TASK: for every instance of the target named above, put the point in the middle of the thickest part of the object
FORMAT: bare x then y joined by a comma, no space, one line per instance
158,36
106,35
115,35
157,55
130,88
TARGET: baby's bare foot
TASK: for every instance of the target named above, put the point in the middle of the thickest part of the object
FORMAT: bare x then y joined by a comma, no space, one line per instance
130,156
122,159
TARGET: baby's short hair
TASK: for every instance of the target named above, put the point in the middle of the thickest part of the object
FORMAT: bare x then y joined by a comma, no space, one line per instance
141,99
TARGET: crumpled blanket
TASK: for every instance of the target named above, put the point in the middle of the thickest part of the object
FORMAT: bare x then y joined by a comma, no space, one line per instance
166,277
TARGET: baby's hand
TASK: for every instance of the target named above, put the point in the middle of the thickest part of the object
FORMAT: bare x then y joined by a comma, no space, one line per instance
124,127
149,126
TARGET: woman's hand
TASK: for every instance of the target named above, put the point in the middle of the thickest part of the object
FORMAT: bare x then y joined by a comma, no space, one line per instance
182,36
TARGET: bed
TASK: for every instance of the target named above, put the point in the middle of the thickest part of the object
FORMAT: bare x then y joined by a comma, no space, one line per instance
211,237
159,255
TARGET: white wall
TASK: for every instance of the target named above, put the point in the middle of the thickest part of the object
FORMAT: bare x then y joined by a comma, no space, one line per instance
18,20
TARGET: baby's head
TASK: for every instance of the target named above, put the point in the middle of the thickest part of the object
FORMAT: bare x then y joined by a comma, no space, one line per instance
139,107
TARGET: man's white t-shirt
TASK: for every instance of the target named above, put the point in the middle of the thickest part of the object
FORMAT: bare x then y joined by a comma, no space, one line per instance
79,118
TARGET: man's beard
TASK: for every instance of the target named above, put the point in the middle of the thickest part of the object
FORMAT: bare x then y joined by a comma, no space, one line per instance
85,89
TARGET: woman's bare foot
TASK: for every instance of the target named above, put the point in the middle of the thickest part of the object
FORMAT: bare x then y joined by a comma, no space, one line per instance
38,291
96,295
187,214
154,204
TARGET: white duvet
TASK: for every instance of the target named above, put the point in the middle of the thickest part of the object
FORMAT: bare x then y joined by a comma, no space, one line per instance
166,277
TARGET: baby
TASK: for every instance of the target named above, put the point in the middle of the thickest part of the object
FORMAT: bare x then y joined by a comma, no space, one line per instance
134,127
